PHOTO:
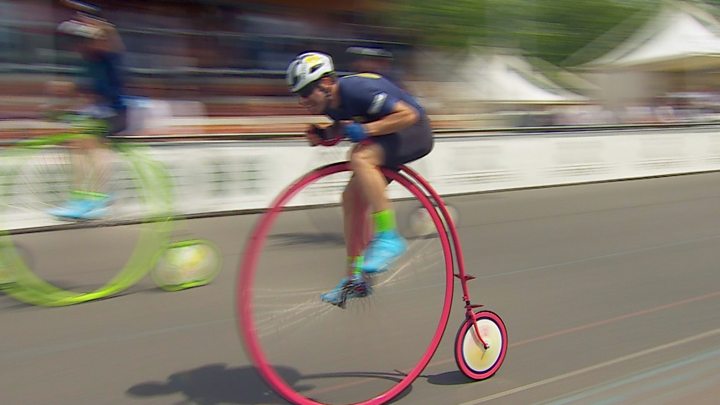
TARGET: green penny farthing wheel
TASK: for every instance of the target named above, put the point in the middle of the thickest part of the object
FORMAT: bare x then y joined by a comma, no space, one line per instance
86,261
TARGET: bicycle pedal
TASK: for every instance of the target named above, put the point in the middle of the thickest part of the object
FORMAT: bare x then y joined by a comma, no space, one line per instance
362,290
342,302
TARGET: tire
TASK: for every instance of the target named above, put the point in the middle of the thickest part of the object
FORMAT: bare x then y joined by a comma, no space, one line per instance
249,326
470,352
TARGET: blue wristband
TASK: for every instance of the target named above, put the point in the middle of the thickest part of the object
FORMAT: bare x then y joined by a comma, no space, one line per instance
355,132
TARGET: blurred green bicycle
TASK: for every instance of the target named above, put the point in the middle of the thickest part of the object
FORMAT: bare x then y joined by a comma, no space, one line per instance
40,266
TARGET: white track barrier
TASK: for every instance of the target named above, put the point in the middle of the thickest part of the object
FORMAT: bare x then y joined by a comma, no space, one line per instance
214,177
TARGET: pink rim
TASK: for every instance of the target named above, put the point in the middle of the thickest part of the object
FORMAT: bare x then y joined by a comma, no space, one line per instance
247,272
460,358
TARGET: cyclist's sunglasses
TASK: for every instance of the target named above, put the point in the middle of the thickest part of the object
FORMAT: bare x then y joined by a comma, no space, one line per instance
307,90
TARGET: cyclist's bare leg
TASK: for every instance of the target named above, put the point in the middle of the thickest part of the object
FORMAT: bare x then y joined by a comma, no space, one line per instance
80,162
357,227
100,162
365,189
387,244
90,164
365,161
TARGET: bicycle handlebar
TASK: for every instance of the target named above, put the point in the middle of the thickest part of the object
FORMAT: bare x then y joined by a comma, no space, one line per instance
327,138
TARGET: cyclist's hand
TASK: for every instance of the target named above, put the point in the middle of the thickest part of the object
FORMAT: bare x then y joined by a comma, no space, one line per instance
355,132
312,133
324,135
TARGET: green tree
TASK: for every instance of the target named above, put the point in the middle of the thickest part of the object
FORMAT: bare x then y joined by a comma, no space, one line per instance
550,29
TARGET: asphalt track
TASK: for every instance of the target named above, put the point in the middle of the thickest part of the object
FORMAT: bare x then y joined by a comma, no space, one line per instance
610,292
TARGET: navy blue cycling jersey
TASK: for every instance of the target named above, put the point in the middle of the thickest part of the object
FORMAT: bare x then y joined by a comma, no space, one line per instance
104,71
368,97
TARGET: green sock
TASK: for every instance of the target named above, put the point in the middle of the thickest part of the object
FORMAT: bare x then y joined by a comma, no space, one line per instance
355,262
384,220
88,195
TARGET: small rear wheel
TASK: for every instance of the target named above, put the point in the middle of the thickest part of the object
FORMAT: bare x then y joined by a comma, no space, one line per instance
187,264
476,360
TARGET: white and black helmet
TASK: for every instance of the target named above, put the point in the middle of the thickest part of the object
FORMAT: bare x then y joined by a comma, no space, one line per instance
307,68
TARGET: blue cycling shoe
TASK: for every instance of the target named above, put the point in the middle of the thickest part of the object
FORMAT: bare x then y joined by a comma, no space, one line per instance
71,206
354,286
384,249
82,209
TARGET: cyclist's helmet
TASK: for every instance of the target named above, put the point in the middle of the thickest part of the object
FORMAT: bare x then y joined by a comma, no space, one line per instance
307,68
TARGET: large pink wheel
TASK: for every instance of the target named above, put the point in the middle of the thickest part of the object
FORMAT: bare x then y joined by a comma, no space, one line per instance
356,353
481,359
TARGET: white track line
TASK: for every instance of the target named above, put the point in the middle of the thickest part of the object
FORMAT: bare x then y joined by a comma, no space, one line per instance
593,368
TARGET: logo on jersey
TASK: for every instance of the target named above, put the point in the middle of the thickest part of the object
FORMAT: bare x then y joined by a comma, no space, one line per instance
377,103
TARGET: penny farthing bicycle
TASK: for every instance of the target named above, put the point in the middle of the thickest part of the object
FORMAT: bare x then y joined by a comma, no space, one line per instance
310,352
37,177
136,236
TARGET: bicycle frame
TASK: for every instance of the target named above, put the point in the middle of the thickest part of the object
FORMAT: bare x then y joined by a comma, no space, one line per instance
458,253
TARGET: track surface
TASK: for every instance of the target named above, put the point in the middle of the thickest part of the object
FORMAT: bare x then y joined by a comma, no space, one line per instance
611,293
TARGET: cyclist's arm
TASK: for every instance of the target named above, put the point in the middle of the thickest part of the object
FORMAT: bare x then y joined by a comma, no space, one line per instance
402,116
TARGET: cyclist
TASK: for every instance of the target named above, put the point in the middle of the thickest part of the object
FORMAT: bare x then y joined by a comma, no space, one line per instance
368,59
389,128
105,113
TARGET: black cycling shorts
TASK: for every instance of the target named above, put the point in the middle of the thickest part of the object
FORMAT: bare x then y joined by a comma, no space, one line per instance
406,145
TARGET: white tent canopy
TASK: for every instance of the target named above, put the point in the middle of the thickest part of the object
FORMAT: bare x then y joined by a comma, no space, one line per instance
492,76
678,38
508,78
